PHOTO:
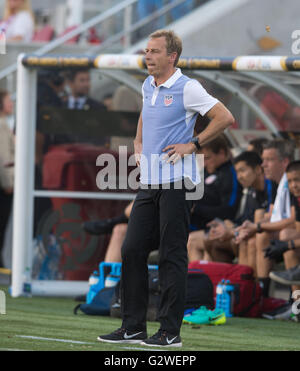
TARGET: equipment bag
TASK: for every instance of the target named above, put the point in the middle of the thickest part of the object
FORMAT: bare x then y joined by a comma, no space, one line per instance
248,299
100,305
200,290
107,301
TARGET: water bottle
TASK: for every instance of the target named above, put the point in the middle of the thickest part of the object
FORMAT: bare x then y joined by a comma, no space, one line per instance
94,287
229,289
225,297
27,283
113,277
111,280
219,296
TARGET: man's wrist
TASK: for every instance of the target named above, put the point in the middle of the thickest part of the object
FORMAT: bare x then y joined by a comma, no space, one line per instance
196,143
258,228
291,245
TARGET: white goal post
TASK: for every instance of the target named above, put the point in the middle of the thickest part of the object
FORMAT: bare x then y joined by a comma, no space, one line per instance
24,192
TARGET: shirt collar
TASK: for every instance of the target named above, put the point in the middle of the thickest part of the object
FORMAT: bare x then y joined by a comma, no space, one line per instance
74,102
171,81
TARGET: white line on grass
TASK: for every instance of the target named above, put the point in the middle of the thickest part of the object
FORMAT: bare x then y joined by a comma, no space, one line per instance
13,350
149,349
76,342
51,339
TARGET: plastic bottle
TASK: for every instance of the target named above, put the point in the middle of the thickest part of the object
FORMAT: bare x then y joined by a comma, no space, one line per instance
225,297
27,283
93,284
229,292
111,280
219,296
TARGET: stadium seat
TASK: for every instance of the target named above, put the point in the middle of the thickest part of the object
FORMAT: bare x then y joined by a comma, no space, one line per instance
74,39
44,34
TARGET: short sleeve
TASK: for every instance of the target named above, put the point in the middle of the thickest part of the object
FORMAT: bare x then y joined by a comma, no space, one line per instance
197,99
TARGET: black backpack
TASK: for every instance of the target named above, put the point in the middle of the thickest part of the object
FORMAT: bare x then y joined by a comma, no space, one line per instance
100,305
200,292
153,301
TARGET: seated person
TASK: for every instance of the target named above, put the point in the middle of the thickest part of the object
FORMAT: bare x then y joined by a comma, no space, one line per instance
276,156
117,226
18,21
257,145
222,194
79,82
288,244
221,197
7,158
259,193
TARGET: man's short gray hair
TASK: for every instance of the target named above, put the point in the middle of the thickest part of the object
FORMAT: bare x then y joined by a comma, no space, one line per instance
285,148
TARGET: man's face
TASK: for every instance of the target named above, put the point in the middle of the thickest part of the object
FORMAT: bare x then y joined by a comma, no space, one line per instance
293,178
213,160
157,59
81,84
273,165
246,175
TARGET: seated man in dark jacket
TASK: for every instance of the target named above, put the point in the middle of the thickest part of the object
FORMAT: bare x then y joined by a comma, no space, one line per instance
222,194
79,82
258,195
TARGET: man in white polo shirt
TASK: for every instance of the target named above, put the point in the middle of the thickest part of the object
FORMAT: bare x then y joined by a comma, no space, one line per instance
164,140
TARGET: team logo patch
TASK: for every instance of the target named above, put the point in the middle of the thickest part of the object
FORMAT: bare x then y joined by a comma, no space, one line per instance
168,100
210,179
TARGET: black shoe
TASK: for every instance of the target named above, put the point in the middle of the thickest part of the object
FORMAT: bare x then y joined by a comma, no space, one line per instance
282,313
288,277
163,339
98,227
121,335
295,317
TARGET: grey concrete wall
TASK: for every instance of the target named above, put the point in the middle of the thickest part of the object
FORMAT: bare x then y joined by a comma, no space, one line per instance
238,31
234,27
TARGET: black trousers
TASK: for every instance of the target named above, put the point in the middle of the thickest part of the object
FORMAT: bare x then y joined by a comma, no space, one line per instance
159,217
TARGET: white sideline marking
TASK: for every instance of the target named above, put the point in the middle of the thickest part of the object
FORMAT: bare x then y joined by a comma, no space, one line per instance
77,342
51,339
13,350
149,349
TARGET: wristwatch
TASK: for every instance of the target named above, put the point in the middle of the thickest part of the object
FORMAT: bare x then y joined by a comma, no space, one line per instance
258,228
196,143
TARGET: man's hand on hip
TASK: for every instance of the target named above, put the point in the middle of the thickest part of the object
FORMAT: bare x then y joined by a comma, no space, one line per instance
177,151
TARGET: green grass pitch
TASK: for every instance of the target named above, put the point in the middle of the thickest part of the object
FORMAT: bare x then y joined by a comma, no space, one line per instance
48,324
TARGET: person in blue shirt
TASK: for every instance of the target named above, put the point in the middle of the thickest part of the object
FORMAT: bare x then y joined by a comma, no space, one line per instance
165,151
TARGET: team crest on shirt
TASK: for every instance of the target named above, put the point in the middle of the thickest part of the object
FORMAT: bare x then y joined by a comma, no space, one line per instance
168,100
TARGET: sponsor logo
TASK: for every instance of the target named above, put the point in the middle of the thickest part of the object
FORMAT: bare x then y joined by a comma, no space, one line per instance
171,341
131,336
